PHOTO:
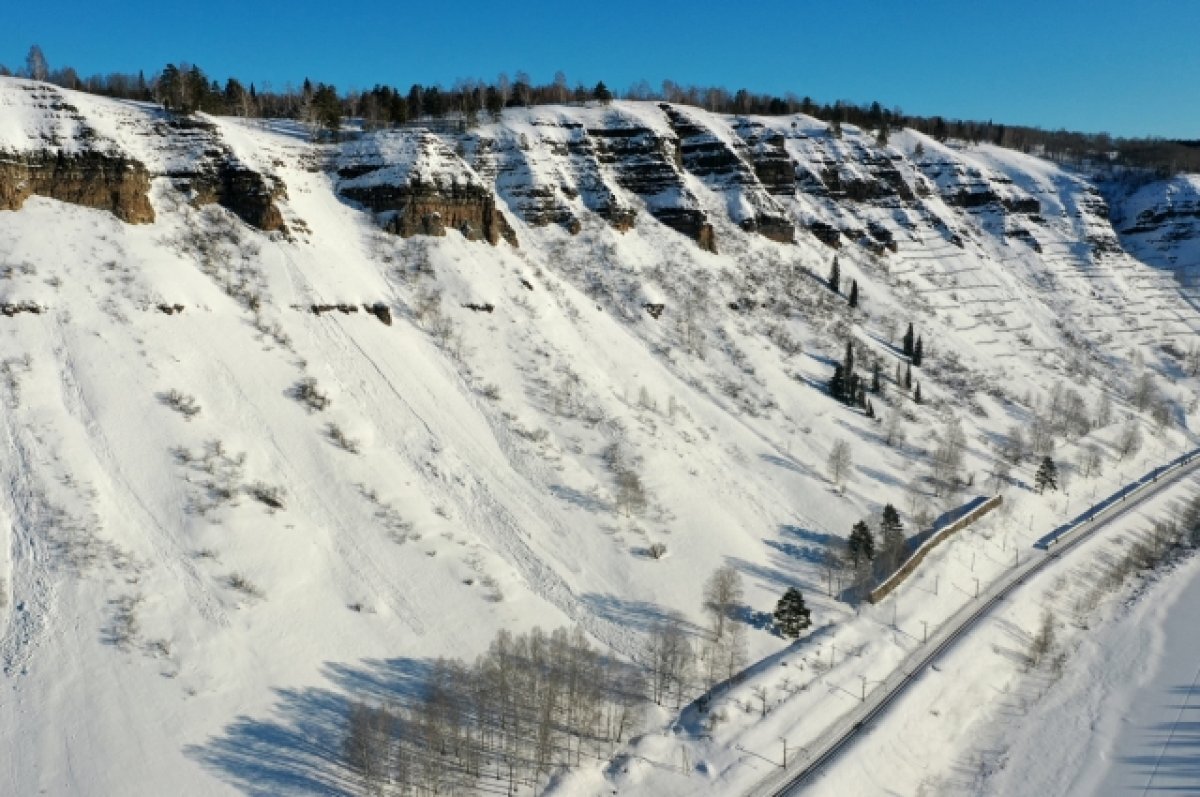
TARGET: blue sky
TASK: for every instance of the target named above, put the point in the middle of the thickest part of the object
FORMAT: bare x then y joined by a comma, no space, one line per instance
1129,68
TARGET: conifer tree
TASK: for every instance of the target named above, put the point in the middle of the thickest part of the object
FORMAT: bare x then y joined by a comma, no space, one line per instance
1046,476
835,276
837,383
861,545
848,360
908,377
917,393
918,353
791,615
854,293
908,341
891,538
876,384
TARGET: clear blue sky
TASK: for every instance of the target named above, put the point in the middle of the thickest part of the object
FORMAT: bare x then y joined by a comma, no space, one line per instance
1129,68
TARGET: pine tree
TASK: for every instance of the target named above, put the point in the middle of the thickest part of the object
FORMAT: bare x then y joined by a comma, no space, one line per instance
917,393
854,293
848,360
908,341
908,377
890,521
918,353
861,545
835,276
791,615
1046,476
602,93
891,538
837,383
876,384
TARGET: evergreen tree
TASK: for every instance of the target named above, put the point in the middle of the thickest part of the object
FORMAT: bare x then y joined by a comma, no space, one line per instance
908,341
891,535
881,135
908,377
854,293
861,545
848,360
837,383
890,522
1046,476
835,276
791,615
602,94
918,353
870,408
876,384
917,393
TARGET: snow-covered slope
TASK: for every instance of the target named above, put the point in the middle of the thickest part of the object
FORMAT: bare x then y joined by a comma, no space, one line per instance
190,599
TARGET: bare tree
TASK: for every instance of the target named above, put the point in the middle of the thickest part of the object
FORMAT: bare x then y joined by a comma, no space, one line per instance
1129,442
367,746
36,67
669,660
839,462
947,460
631,494
1143,391
893,429
1091,460
722,593
1012,447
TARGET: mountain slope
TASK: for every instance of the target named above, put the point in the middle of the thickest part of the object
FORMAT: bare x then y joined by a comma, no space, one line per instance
481,310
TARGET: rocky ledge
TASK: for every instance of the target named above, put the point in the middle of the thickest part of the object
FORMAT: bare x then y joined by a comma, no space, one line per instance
91,179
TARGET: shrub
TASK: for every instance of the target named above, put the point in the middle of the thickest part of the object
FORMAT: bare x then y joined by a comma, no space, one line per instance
309,394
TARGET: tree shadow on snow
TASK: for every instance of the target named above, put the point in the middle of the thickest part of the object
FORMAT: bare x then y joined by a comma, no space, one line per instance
296,748
640,616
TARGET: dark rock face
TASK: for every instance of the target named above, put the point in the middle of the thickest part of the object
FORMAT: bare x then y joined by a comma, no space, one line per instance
245,193
705,155
647,164
430,208
417,185
91,179
772,165
826,234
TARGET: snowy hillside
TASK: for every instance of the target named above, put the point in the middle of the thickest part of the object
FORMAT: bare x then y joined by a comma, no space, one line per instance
284,422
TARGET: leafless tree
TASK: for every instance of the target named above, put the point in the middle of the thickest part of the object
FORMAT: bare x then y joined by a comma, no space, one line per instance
839,462
36,67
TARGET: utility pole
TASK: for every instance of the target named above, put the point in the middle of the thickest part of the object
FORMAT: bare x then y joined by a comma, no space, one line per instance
977,588
784,740
863,697
924,631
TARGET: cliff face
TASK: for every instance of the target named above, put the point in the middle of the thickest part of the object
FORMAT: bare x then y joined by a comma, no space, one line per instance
53,148
1159,222
92,179
416,185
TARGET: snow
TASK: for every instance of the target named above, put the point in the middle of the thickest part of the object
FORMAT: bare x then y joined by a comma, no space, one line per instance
981,722
508,501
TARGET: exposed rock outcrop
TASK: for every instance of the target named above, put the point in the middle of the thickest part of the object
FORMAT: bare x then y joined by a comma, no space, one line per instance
429,208
647,164
245,193
91,179
417,186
